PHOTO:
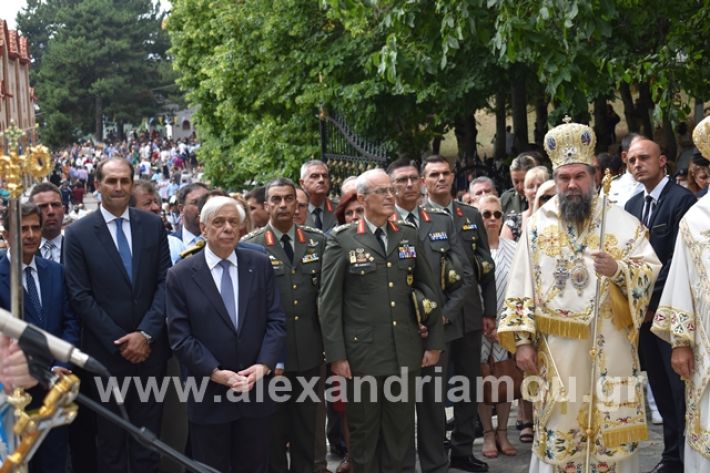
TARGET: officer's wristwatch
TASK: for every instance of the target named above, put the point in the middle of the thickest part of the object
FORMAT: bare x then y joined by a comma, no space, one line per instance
147,336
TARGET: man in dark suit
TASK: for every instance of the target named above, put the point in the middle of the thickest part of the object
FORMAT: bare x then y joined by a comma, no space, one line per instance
478,310
660,207
315,180
188,198
296,254
49,200
370,328
46,305
116,260
445,255
226,324
82,432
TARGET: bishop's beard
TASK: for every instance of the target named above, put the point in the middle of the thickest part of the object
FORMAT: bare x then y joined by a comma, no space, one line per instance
576,208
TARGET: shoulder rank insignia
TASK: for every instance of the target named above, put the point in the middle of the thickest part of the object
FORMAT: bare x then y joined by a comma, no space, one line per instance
199,244
312,229
254,233
340,228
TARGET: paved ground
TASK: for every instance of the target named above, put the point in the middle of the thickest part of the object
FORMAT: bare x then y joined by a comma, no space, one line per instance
650,452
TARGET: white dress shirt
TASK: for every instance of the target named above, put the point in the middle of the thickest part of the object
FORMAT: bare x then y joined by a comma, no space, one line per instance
655,194
35,275
213,264
126,225
56,255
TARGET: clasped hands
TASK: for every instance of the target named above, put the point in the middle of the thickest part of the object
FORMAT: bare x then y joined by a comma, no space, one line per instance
242,381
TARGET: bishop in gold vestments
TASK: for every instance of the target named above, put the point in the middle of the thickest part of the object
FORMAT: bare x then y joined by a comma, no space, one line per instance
550,306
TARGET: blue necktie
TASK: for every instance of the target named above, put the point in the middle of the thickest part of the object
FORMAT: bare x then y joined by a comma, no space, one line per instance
32,292
226,289
123,249
317,218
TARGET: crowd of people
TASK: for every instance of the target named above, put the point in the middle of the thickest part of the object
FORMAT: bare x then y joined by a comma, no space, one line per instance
391,302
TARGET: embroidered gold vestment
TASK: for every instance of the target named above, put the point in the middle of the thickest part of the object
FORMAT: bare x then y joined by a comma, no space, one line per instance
550,299
683,317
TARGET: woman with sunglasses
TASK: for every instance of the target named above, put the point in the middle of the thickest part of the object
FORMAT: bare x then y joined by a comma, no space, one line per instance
502,252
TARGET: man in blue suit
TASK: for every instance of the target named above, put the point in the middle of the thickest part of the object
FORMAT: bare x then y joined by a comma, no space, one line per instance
660,207
116,260
226,324
46,305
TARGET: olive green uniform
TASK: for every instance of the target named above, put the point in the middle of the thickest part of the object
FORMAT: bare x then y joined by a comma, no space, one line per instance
368,318
443,251
295,423
465,347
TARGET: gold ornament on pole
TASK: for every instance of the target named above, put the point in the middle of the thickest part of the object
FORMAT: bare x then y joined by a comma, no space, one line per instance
21,163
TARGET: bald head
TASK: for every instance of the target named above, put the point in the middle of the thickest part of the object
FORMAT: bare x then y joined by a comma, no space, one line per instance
646,162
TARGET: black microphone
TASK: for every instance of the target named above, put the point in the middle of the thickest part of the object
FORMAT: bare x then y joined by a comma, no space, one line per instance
28,334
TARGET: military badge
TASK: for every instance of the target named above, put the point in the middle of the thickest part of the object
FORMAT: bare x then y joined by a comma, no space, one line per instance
407,251
438,236
469,226
310,258
275,262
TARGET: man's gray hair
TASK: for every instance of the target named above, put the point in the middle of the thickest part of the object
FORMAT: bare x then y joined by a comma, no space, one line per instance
481,180
523,162
362,184
215,203
311,163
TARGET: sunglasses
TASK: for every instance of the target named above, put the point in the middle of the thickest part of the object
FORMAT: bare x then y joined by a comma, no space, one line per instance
545,197
488,214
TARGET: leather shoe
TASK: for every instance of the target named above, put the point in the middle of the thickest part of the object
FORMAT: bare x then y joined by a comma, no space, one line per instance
469,463
666,467
345,465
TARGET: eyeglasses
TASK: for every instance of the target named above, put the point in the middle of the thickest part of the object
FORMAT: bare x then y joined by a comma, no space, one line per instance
545,197
383,191
488,214
405,179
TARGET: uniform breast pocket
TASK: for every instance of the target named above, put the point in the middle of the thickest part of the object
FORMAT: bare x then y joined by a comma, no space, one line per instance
407,263
470,239
279,270
441,246
362,269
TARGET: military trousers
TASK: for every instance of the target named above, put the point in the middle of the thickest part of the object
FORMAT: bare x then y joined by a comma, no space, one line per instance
380,415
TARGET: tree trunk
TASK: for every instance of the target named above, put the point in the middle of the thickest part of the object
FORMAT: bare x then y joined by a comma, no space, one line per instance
669,142
519,105
629,108
499,146
541,118
699,110
120,135
645,105
98,119
466,133
601,125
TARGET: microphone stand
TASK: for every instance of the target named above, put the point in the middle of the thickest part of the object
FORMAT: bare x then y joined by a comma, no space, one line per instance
39,363
145,436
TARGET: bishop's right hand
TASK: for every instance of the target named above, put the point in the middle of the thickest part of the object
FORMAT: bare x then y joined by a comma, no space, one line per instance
526,358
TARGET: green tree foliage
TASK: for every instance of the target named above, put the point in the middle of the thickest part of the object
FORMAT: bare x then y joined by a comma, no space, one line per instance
93,59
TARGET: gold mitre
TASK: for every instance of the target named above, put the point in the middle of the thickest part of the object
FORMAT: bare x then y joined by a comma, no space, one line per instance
570,143
701,137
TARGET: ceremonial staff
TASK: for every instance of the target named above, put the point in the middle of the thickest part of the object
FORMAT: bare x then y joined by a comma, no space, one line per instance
606,185
20,162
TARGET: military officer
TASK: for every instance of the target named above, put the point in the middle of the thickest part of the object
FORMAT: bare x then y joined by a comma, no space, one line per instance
296,254
371,269
443,251
479,308
315,180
